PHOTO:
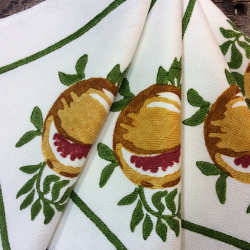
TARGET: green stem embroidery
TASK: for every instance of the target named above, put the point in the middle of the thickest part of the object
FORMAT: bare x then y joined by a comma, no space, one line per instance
241,244
187,16
34,185
145,204
3,225
64,41
97,221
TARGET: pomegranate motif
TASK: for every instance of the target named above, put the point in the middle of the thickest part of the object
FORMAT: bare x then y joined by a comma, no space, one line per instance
227,134
73,123
147,138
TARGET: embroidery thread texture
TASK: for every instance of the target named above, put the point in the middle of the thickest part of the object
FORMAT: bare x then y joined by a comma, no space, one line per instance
187,16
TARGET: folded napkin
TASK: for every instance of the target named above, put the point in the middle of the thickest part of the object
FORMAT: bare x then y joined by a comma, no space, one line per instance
164,164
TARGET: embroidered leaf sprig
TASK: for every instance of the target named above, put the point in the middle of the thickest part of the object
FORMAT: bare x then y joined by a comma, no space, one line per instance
116,76
32,187
107,154
236,56
235,78
124,91
210,169
36,119
196,100
68,79
173,75
143,212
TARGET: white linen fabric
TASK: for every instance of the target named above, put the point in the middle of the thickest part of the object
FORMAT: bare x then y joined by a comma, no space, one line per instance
170,167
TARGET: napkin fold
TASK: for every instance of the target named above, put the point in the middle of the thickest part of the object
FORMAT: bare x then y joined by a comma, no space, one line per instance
164,164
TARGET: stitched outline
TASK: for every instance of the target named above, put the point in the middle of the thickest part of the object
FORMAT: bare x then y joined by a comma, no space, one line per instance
3,226
187,16
97,221
241,244
64,41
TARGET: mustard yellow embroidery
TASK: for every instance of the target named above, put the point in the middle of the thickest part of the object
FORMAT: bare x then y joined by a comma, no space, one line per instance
227,134
146,130
247,82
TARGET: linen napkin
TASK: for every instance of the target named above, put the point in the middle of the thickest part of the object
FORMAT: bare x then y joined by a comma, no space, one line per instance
215,132
128,194
177,132
62,63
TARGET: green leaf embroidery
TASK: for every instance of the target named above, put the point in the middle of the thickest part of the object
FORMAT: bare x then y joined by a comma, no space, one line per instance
161,230
137,216
31,169
236,58
27,186
246,47
225,46
240,81
248,210
156,200
68,79
105,152
37,118
197,118
48,212
124,90
106,173
221,187
81,65
27,137
28,200
170,201
121,78
120,105
114,74
66,194
162,76
60,207
47,181
228,33
234,26
179,206
208,168
57,188
35,209
247,39
230,78
174,225
195,99
129,199
147,227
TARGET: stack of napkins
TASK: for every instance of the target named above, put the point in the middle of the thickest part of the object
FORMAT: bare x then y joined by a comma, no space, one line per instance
125,125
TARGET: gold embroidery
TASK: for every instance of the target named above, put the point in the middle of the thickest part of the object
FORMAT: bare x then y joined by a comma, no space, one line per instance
78,117
154,128
227,131
235,133
78,121
247,82
149,124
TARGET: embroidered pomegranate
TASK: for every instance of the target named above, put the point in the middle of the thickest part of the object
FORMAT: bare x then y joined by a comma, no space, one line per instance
227,134
73,123
147,137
